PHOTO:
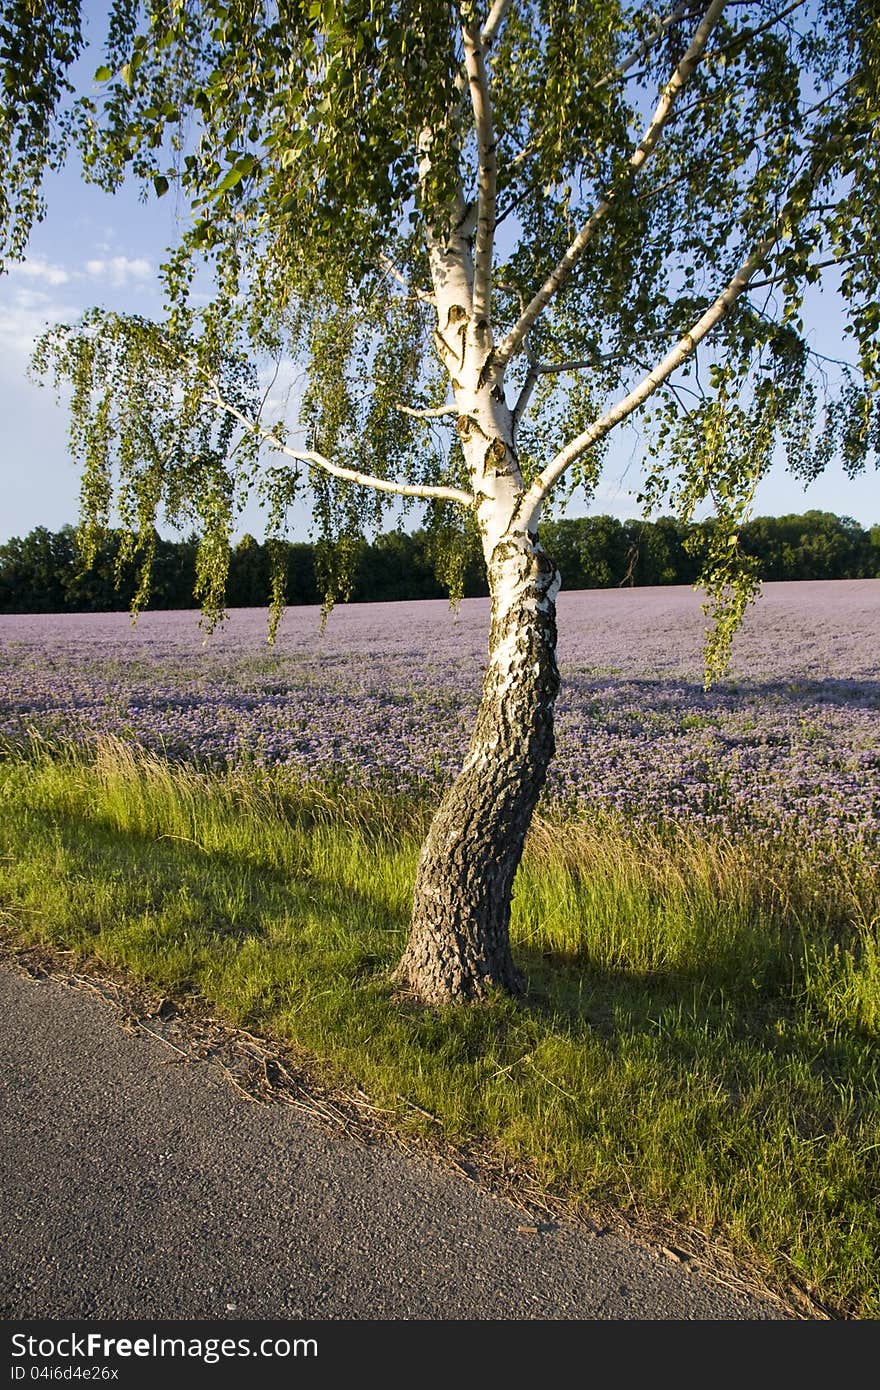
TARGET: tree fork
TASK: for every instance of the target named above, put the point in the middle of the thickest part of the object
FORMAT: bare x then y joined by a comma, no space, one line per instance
459,944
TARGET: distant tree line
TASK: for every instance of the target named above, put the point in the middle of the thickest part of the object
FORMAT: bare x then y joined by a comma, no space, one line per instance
43,572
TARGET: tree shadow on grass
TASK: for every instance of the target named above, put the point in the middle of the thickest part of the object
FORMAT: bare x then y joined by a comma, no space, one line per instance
690,1011
157,869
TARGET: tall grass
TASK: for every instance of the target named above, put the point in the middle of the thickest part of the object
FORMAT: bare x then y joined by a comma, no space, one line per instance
699,1039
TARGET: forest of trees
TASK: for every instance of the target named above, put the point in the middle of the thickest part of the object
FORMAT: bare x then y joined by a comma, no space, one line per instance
42,573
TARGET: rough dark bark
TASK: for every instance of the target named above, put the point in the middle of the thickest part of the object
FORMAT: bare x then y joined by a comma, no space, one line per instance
459,945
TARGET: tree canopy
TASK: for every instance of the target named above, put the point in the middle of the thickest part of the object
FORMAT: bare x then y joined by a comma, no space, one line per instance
635,200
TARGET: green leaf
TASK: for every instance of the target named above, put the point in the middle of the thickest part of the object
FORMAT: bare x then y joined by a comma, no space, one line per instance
160,183
235,175
103,74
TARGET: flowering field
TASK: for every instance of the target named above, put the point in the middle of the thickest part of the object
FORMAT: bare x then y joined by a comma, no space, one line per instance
387,693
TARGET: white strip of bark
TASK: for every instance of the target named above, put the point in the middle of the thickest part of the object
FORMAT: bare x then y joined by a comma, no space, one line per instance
450,261
481,102
646,387
430,412
640,155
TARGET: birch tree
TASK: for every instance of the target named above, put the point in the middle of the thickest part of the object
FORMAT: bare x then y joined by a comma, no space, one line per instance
490,234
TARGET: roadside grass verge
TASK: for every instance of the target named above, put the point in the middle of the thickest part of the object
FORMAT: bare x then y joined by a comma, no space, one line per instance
700,1038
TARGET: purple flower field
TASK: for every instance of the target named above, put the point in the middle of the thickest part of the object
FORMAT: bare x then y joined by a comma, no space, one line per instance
789,741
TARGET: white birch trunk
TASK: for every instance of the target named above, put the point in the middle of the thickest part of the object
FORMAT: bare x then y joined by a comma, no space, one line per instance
459,944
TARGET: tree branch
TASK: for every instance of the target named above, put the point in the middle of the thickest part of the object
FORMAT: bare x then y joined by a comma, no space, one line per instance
643,151
647,44
786,220
396,274
531,380
656,377
622,67
433,412
585,364
574,365
811,351
478,81
351,475
525,394
494,20
746,35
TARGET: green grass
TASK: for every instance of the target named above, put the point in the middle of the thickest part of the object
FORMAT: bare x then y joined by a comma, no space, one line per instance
699,1042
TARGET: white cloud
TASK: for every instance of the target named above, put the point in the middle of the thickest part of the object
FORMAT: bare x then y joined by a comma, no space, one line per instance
21,321
31,299
120,270
39,269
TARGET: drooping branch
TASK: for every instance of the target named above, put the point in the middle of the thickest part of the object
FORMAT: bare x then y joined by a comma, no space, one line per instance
436,492
656,34
649,384
481,103
620,70
643,151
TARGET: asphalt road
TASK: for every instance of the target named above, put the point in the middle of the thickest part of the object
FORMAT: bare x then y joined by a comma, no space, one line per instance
137,1183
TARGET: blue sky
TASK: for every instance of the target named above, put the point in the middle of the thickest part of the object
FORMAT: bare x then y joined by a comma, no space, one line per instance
96,249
